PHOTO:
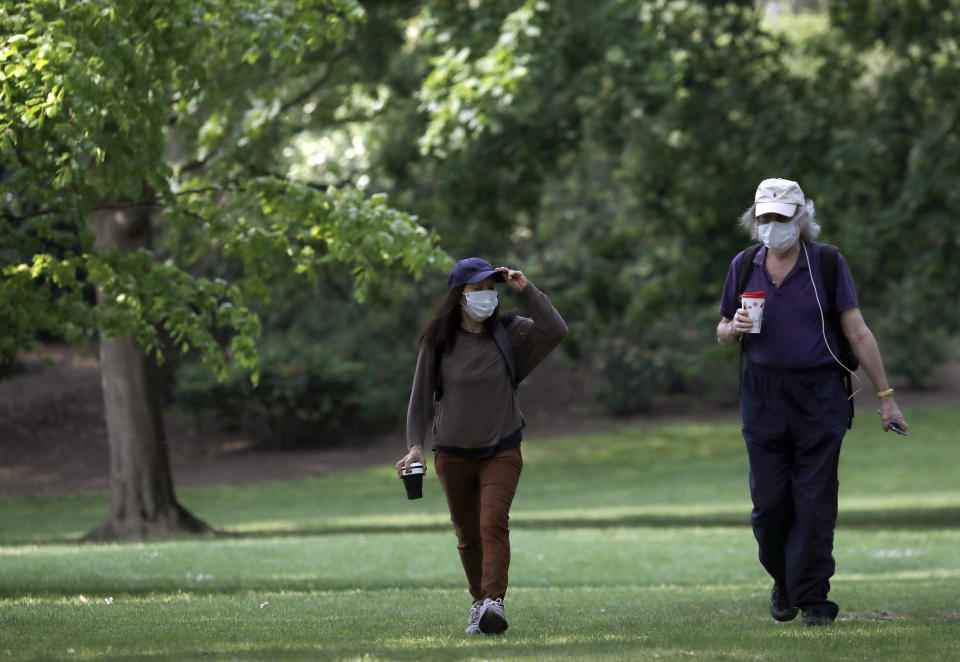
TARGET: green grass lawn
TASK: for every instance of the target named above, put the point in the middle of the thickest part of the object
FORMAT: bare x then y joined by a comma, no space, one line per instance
627,545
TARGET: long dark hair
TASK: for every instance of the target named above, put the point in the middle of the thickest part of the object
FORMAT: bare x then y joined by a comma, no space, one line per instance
440,334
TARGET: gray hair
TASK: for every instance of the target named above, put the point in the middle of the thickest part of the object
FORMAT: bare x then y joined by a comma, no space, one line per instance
804,217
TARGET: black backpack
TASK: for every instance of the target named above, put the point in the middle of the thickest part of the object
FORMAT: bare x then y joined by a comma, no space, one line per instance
828,276
503,344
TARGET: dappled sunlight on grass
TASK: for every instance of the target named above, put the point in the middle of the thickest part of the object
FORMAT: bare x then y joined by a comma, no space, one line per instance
359,523
676,440
612,512
904,575
903,500
930,509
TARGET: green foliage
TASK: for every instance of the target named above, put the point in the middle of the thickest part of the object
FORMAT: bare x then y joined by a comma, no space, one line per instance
306,393
104,105
636,364
604,147
631,122
892,180
461,93
331,369
617,163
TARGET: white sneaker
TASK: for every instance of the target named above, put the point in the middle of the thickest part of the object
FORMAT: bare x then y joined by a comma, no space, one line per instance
473,621
492,618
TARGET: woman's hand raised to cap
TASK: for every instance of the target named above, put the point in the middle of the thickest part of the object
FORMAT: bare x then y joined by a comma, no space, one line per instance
513,278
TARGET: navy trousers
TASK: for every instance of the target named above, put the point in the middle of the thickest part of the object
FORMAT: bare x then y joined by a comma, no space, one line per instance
793,425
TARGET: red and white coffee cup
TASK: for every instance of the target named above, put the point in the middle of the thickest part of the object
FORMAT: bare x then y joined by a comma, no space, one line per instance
752,302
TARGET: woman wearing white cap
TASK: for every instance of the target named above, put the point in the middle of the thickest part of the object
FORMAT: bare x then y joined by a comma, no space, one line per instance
464,404
795,395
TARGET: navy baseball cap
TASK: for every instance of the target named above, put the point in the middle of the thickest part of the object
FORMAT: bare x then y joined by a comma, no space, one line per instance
471,270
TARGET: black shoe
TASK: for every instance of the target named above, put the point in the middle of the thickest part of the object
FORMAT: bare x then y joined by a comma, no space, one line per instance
780,608
815,617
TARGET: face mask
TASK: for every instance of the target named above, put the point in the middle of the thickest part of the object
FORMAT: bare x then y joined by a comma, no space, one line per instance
480,305
778,237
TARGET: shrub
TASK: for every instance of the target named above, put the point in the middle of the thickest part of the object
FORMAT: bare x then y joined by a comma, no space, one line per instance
331,371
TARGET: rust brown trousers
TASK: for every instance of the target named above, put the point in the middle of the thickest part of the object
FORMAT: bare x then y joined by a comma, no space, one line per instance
479,494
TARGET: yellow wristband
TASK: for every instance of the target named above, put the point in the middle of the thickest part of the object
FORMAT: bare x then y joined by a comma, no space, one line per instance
881,394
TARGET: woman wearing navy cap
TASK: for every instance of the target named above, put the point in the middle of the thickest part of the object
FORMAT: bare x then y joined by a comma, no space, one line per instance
464,405
794,397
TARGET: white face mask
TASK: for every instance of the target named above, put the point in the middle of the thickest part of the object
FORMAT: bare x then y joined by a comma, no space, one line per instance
778,237
480,305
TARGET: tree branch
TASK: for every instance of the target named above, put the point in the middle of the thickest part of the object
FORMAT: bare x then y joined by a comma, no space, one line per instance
338,54
116,204
262,172
155,200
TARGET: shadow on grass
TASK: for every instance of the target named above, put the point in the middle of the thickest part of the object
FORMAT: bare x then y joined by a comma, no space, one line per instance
641,641
258,588
945,517
911,519
504,651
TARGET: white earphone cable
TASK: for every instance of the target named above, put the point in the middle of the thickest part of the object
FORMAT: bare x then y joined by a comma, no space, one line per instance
823,324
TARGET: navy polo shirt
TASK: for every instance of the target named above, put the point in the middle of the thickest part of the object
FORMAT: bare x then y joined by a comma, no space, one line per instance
790,335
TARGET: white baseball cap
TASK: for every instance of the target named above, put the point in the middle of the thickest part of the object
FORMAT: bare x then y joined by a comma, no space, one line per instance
778,196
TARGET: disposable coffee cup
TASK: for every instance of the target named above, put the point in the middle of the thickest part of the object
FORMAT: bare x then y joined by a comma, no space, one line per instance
753,303
413,480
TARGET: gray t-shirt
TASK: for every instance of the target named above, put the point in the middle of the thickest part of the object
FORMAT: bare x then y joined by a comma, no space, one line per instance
479,406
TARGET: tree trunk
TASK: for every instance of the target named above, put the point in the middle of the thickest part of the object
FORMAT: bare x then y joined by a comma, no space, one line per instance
143,505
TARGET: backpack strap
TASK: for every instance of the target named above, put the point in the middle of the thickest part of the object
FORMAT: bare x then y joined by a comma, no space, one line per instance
829,262
503,344
506,349
437,376
744,269
828,274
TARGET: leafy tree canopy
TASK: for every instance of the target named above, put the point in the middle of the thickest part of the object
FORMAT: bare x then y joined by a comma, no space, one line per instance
179,106
640,130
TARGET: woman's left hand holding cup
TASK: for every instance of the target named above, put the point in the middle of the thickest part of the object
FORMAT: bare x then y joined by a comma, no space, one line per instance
414,454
